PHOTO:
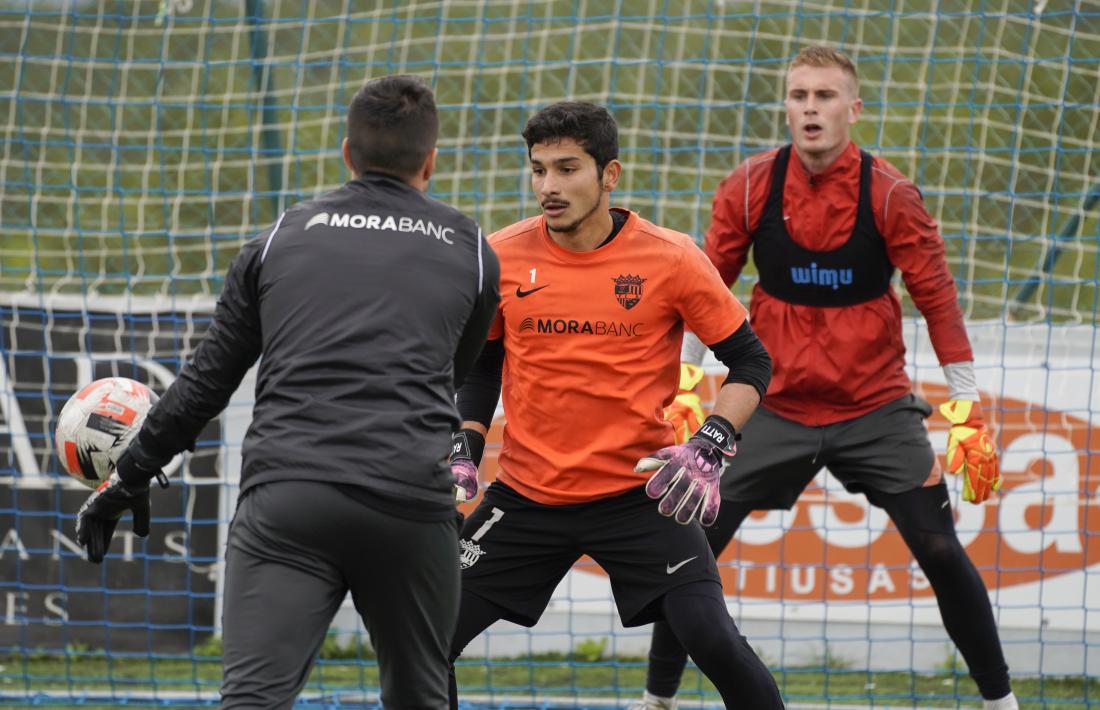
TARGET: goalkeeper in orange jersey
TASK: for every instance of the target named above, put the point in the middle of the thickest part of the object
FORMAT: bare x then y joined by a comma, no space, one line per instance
828,225
584,349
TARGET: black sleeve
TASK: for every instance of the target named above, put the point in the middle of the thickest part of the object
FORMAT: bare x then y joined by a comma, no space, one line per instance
485,308
231,345
746,358
478,397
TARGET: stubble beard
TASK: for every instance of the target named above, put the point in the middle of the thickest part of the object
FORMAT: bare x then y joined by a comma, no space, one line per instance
575,225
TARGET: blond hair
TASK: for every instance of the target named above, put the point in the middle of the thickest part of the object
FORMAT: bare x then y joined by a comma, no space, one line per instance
821,56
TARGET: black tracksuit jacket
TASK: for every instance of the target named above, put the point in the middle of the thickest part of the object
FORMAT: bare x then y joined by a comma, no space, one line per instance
368,305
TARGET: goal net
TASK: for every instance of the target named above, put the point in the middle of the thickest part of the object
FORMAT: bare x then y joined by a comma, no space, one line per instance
143,142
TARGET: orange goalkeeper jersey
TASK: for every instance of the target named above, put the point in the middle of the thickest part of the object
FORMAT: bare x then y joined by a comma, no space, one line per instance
592,352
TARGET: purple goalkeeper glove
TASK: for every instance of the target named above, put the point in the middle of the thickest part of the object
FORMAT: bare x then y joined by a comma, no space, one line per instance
686,478
467,447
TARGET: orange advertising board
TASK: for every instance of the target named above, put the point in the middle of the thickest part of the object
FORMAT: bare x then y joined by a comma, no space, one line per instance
833,546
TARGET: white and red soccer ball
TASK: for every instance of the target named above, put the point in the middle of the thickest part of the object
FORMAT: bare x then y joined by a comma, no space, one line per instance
97,424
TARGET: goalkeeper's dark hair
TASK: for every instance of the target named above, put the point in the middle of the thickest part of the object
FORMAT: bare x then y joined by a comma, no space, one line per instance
592,126
392,125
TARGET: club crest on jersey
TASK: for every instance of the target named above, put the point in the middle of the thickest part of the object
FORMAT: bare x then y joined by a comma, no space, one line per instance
628,290
470,553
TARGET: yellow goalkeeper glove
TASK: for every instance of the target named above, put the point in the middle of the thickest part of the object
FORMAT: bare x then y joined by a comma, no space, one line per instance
686,411
970,450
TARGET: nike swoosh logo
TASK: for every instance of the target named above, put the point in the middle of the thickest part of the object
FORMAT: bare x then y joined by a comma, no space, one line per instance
669,569
523,294
944,504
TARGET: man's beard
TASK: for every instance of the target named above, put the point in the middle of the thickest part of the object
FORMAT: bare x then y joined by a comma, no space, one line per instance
572,227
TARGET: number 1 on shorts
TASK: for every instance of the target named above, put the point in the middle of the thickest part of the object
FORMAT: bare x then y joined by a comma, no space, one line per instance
497,515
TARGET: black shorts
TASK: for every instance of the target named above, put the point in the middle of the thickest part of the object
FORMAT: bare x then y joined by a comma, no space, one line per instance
886,450
514,552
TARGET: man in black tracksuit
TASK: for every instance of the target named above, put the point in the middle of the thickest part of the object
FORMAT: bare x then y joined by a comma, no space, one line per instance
368,304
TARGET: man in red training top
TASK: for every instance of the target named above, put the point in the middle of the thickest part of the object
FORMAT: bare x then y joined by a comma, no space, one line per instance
828,225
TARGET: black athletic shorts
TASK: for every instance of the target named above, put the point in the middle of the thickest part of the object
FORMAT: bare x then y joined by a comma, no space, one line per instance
514,552
886,450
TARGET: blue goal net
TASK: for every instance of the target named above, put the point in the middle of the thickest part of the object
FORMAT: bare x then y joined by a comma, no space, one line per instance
143,141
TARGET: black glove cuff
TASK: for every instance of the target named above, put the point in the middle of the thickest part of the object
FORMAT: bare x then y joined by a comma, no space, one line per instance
467,444
718,431
148,453
131,473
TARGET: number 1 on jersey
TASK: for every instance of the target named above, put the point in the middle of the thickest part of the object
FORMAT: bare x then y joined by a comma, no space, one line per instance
533,275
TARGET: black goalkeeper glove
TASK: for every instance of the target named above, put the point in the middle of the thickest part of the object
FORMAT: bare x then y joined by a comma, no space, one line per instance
97,518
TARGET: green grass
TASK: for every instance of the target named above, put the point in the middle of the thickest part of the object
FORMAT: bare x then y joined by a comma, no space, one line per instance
546,675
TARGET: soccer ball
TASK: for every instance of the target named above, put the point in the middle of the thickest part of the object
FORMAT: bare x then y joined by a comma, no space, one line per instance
96,425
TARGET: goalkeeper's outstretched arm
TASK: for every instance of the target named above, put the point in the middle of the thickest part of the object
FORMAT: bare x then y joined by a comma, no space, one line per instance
477,402
202,390
477,398
685,476
231,346
750,371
